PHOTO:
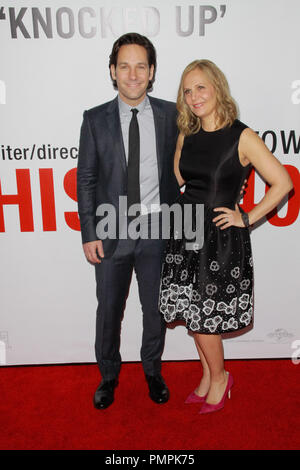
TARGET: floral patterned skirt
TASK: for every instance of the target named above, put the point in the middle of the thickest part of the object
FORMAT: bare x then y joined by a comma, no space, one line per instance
210,288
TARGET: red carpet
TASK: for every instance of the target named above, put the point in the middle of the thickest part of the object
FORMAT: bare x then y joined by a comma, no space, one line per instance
50,407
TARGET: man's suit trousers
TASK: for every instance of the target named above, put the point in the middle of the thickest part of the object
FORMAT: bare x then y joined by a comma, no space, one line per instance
113,277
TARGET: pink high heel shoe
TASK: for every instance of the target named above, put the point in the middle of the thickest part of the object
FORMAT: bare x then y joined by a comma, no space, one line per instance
193,398
209,408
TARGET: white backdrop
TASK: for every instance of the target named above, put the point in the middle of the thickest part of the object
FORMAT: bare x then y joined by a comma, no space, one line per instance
54,65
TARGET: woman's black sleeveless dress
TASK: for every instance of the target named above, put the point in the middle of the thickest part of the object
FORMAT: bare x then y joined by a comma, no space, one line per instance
210,288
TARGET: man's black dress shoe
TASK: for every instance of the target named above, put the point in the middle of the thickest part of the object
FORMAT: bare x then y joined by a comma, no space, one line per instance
158,391
104,395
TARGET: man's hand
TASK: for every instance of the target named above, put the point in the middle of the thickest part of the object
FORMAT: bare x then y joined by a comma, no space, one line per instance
93,251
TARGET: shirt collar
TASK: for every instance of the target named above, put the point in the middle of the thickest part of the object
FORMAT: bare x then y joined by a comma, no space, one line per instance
126,108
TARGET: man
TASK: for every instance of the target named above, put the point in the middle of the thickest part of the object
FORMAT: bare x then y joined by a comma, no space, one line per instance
127,153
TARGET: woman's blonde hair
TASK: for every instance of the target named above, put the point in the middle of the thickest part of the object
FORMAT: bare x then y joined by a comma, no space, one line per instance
226,109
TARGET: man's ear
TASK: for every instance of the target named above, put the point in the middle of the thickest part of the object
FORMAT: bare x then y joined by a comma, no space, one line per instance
113,71
151,72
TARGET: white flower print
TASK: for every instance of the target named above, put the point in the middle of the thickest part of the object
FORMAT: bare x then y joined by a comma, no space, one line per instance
186,315
214,266
208,306
211,289
243,301
235,272
212,323
189,293
178,259
166,281
181,290
230,324
165,294
163,308
174,288
194,309
196,317
188,290
171,309
195,325
170,314
182,304
169,258
196,296
173,296
184,275
244,284
230,289
228,309
246,317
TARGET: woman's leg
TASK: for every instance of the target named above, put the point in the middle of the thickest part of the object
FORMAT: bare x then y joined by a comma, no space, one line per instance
204,385
212,348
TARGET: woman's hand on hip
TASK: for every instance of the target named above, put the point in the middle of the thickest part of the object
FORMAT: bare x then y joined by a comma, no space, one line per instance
228,218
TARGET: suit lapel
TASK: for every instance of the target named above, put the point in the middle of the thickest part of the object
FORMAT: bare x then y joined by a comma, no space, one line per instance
114,125
159,123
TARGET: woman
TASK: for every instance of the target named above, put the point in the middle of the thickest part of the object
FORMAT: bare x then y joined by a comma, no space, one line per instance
211,288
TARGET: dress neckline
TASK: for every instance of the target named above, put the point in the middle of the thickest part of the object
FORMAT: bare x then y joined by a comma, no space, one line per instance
217,130
211,132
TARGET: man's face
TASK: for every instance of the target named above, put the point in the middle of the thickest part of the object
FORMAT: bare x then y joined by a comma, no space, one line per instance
132,73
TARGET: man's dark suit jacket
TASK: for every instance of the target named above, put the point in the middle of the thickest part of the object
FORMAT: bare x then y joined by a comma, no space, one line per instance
102,167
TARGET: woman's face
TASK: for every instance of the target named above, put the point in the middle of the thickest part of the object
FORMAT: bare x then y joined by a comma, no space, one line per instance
200,95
